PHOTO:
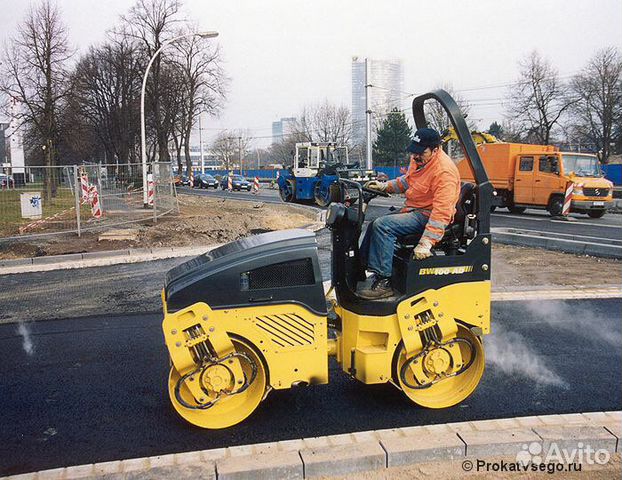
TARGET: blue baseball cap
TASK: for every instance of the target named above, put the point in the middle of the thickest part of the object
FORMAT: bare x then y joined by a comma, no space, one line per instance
424,138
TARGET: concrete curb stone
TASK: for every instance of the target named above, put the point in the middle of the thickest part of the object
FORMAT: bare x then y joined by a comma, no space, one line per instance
343,459
72,257
105,254
497,442
576,437
17,262
423,448
577,247
268,466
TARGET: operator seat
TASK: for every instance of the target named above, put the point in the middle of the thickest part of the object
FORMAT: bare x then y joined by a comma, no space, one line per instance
461,229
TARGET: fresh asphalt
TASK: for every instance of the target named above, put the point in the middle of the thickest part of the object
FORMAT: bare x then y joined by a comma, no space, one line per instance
83,390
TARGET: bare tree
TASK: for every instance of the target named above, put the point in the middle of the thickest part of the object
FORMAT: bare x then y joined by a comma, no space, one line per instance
172,100
230,147
438,118
511,132
539,99
202,85
284,150
151,23
597,114
106,95
325,123
35,75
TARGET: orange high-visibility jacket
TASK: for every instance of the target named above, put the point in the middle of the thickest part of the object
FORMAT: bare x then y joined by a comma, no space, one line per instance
432,190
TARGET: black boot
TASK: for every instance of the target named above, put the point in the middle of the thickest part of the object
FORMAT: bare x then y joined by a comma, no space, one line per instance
380,288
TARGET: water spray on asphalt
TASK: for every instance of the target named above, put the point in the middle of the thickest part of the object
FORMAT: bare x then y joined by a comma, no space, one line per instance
509,353
27,344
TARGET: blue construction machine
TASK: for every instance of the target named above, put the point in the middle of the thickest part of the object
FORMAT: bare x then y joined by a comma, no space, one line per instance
316,166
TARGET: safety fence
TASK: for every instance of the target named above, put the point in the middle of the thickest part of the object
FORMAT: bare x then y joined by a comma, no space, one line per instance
37,201
265,175
612,172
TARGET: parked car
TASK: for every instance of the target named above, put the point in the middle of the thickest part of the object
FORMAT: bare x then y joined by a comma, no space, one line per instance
185,180
238,182
205,180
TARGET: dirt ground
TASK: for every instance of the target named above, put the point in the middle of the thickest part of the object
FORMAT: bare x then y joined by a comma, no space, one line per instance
202,221
205,221
514,266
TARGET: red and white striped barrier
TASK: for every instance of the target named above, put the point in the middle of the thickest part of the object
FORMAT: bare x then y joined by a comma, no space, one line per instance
256,185
95,205
84,187
151,189
229,183
567,199
96,210
44,220
191,179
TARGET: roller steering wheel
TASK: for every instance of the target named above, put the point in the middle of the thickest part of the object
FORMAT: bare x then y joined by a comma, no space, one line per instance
378,193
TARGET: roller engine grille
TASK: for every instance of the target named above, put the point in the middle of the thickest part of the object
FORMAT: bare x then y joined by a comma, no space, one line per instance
287,329
280,275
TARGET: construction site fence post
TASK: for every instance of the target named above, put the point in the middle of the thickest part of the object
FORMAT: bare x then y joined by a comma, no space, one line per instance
155,203
76,190
100,191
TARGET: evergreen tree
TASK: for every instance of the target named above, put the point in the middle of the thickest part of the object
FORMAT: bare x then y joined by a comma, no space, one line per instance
393,137
496,130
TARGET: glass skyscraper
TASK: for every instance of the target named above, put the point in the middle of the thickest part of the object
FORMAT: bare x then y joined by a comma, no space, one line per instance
387,79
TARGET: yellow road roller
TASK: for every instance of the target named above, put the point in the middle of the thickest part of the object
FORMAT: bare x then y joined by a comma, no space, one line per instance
253,316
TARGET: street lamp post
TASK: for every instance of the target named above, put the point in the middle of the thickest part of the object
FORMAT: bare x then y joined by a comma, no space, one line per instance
143,140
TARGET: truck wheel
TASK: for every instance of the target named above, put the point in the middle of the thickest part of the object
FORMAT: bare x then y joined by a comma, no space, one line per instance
556,206
596,213
514,209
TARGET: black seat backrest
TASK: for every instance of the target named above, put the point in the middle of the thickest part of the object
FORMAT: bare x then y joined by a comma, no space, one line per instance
466,203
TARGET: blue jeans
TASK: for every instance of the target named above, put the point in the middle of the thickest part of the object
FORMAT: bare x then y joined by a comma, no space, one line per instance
379,241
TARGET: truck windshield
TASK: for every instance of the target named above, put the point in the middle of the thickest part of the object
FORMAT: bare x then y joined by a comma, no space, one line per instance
581,165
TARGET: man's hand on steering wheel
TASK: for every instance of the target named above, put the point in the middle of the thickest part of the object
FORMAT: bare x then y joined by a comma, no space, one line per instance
376,185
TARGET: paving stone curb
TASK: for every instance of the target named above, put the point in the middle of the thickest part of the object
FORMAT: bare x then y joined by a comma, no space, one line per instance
577,246
371,451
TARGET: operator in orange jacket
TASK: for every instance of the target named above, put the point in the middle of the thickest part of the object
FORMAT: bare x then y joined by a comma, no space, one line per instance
432,187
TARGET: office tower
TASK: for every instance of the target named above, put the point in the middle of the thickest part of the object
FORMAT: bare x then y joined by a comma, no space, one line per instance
283,127
386,78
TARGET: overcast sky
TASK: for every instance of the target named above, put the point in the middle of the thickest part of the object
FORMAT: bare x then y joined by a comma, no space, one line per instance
284,54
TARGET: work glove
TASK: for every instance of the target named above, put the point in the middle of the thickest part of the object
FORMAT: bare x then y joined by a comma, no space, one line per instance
422,250
376,185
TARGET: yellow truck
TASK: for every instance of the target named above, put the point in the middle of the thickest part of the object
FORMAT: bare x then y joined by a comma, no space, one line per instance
536,176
